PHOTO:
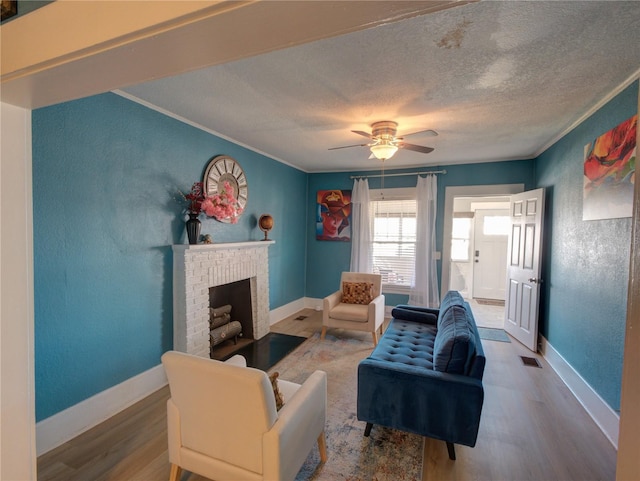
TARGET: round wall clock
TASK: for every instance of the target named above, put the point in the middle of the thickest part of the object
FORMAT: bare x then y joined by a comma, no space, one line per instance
221,169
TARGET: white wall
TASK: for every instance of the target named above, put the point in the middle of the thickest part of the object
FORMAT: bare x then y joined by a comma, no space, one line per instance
17,400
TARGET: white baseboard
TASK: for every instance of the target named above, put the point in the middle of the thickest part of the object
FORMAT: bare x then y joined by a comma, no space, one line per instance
287,310
73,421
313,303
606,418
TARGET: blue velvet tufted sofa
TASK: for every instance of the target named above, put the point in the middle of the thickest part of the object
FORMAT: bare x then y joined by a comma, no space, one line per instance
425,375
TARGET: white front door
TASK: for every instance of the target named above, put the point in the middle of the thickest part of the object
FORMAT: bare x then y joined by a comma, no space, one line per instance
491,234
523,267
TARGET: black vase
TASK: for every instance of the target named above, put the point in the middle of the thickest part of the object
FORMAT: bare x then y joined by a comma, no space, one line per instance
193,228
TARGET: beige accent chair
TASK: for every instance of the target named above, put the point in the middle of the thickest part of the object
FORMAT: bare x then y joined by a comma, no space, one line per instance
358,317
223,424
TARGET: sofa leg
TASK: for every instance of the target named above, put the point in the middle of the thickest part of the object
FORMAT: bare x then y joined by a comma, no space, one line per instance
367,430
322,334
452,451
375,338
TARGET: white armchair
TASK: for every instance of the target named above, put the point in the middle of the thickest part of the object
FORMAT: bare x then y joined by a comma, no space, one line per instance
360,317
223,424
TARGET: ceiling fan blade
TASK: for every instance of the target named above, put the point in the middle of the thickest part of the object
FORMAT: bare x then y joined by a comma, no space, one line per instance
364,134
416,148
429,132
347,146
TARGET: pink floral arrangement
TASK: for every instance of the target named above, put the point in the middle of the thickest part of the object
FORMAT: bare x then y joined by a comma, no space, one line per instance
221,206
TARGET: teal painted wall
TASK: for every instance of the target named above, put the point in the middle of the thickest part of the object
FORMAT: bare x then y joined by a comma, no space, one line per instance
327,259
106,172
105,177
586,266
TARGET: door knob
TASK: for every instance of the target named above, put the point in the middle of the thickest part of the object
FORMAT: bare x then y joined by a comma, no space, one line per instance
535,280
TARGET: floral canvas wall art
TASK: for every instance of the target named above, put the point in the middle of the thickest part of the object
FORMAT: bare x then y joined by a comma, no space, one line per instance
333,215
609,173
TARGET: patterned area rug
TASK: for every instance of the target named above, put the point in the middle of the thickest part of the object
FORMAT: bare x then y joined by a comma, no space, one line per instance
387,455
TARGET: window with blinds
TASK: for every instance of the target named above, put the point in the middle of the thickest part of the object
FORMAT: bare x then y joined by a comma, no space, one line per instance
394,242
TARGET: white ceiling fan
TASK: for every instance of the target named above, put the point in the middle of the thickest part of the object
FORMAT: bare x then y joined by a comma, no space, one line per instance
384,142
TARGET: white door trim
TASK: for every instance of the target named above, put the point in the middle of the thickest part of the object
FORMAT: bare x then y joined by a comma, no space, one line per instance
18,458
465,191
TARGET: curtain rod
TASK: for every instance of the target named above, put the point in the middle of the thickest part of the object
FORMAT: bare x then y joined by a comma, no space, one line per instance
398,175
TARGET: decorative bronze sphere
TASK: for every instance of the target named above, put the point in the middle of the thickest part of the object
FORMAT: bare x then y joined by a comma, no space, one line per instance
266,224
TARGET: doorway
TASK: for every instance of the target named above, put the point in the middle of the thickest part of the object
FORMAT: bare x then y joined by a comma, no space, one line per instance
475,248
490,239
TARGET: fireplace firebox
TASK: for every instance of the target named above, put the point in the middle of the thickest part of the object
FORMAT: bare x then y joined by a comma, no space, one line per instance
238,296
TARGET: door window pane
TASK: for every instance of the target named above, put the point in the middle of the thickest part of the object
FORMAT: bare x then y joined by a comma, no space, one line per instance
496,225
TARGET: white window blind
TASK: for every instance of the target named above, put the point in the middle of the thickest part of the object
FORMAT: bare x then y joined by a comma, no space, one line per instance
394,242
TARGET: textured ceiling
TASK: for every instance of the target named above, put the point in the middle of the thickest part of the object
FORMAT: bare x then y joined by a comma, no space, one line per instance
496,80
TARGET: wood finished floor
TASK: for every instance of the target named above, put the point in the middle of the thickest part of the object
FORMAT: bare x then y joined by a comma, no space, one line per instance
487,315
532,429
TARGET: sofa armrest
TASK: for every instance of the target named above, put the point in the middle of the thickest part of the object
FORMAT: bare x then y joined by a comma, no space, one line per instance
422,401
300,422
424,315
376,310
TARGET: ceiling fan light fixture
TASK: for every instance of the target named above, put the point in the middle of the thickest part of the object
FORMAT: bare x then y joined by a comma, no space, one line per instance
384,150
384,143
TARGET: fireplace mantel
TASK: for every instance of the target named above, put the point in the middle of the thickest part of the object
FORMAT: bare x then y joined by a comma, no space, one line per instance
222,245
198,267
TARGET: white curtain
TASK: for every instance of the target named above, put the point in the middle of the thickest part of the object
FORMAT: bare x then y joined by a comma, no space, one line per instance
361,257
424,288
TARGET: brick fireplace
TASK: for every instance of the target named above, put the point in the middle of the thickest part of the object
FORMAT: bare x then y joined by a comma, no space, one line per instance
196,268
